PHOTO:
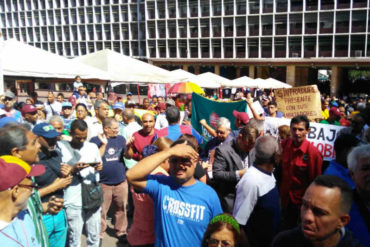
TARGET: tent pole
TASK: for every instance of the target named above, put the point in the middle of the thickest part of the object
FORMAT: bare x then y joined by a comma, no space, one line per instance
138,92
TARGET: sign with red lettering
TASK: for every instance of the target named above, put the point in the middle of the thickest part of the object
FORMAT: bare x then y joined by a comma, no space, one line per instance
322,135
299,101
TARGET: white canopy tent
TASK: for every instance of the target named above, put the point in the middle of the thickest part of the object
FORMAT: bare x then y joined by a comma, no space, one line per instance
273,83
122,68
205,80
244,81
180,73
20,59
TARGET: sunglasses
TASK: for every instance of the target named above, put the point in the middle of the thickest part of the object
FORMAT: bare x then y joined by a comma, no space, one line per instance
7,99
28,186
67,108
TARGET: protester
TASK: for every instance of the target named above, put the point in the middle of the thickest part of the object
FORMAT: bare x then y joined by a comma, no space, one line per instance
9,101
357,129
301,163
16,186
200,202
60,98
222,230
257,203
223,129
77,83
142,229
95,125
29,113
334,117
161,121
52,107
324,214
359,166
22,143
85,160
241,120
230,164
67,115
141,138
112,178
324,109
127,131
52,182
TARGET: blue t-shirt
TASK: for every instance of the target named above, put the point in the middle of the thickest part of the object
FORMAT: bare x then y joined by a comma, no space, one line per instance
114,171
181,213
174,132
21,229
340,171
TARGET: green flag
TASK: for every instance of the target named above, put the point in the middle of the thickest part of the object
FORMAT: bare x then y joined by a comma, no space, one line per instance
203,108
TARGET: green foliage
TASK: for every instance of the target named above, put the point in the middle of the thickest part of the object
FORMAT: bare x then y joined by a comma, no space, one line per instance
359,75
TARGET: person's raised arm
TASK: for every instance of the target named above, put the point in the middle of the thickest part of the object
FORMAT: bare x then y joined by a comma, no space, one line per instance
137,175
255,114
210,130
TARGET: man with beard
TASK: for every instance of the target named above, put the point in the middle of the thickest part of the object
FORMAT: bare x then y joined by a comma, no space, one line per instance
141,138
112,178
183,206
53,181
324,214
16,226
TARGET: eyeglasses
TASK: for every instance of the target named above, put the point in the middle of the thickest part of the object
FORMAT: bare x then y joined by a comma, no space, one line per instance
216,243
28,186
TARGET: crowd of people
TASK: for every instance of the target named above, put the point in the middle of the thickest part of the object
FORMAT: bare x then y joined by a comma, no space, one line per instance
64,162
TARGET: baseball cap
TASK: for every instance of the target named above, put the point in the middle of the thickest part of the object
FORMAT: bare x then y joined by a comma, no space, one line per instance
45,130
162,106
66,104
13,170
28,109
242,116
264,97
128,93
119,105
10,94
6,120
335,111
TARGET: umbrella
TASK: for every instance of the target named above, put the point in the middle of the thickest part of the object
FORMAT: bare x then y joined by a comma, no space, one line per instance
185,88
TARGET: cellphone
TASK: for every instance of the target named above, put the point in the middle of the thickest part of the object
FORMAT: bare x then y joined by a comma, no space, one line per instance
93,163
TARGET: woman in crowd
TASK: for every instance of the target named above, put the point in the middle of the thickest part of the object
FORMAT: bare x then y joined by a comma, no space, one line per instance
223,230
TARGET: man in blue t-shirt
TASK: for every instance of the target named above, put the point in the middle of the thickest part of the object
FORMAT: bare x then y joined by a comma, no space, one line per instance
113,179
183,206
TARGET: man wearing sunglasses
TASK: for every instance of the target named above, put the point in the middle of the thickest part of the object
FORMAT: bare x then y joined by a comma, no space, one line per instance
183,206
9,101
16,226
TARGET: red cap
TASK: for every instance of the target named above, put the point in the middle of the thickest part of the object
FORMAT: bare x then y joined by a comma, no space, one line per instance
28,109
335,111
13,170
242,116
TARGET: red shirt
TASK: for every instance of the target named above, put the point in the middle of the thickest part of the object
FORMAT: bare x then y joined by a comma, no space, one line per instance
300,165
140,142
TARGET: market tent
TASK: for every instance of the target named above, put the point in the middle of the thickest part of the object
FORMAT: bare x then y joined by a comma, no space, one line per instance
122,68
180,73
20,59
277,84
205,80
244,81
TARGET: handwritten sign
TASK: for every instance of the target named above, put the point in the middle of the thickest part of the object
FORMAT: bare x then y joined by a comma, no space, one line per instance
299,101
322,135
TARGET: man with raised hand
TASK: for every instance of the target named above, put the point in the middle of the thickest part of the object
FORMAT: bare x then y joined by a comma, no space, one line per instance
183,206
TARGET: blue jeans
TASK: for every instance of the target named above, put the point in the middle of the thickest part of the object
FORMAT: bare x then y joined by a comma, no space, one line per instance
77,218
56,226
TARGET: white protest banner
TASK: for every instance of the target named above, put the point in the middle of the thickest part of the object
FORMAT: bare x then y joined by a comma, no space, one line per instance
257,107
322,135
299,101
